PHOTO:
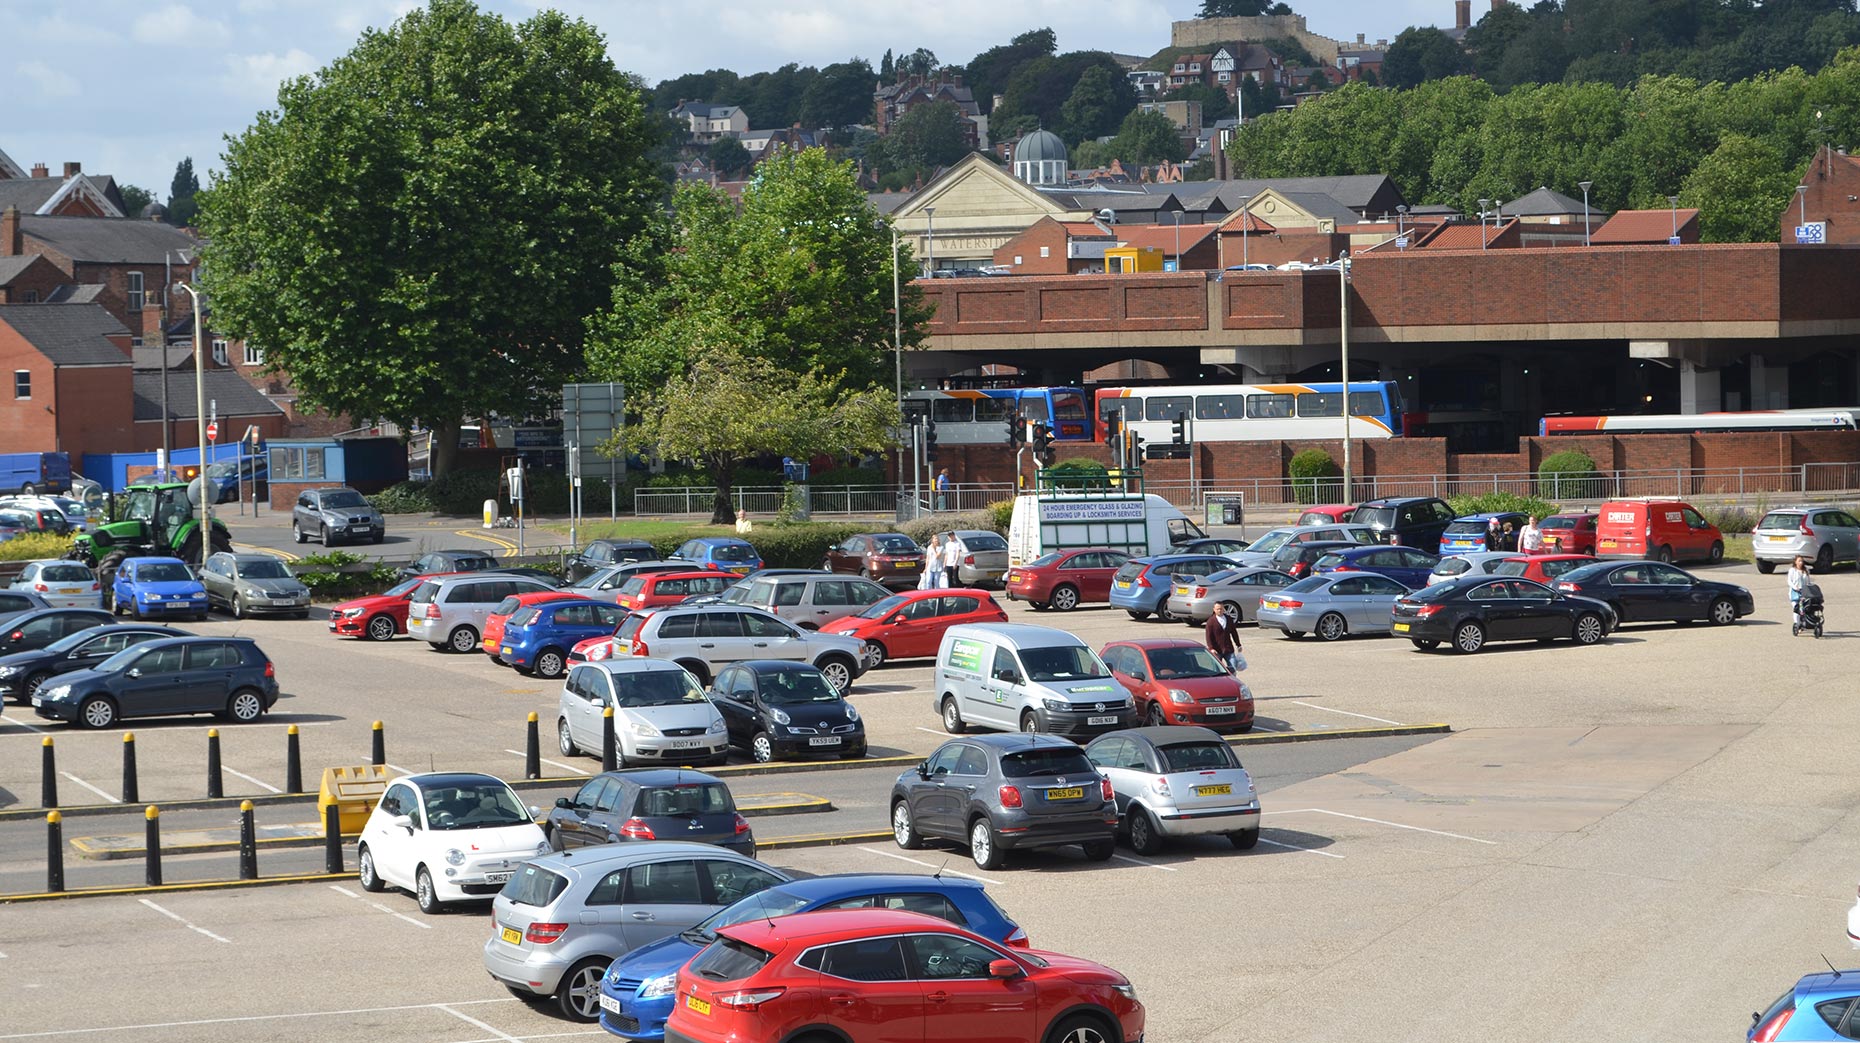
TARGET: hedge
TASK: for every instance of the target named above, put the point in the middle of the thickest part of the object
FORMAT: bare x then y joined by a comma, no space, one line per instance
1496,502
463,492
32,546
1308,468
1570,474
1075,474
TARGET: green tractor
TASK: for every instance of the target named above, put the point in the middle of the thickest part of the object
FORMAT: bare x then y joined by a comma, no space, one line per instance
153,519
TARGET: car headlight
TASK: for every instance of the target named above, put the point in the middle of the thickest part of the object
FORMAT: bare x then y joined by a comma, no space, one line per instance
851,714
1127,990
57,692
847,633
351,613
542,847
716,725
655,988
642,728
1178,695
780,716
1056,705
198,594
252,592
455,857
8,671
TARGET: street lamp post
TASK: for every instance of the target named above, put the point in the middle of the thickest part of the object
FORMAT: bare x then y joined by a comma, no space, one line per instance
1343,334
930,237
1801,198
1584,185
200,418
1178,239
1673,201
1401,214
897,345
1485,206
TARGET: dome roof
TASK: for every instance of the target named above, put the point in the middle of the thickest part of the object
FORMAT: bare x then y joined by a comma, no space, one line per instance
153,212
1040,146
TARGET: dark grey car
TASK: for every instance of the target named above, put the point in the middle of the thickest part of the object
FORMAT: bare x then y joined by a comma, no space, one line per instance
443,561
334,515
254,585
602,553
604,583
998,793
651,804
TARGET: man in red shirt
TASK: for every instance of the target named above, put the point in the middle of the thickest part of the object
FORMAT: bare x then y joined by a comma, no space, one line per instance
1222,641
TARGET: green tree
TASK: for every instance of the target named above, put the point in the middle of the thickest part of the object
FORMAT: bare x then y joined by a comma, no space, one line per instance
1090,155
888,68
718,86
729,158
840,96
1419,55
419,230
1215,104
920,62
1491,37
1096,105
1148,137
930,135
1232,8
990,71
1739,189
1041,87
182,204
135,197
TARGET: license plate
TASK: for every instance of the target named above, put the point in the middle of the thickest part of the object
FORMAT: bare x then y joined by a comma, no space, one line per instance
1009,577
1608,543
610,1005
1401,628
496,878
37,702
701,1006
1772,539
1069,793
1100,720
683,744
906,565
74,590
824,740
1123,584
512,935
1214,791
506,650
1218,711
741,570
1181,592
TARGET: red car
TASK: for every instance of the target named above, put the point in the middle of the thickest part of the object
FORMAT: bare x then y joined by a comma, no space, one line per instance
878,975
1174,680
377,617
1544,568
1569,533
1326,514
890,558
1065,579
656,589
501,613
910,625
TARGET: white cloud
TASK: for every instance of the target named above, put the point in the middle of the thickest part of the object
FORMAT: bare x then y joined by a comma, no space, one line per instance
258,75
53,83
178,24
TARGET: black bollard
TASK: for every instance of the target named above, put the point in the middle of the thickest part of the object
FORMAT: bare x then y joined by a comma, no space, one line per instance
48,774
607,738
293,762
215,786
532,752
54,852
332,839
248,843
152,845
130,796
380,750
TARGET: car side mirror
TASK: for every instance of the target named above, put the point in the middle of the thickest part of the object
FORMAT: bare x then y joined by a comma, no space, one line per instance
535,812
564,803
134,671
923,770
894,619
405,822
1003,969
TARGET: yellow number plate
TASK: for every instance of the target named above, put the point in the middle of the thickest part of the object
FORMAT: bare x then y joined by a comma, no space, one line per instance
1182,591
512,935
1608,543
1214,791
1401,628
1069,793
701,1006
1123,584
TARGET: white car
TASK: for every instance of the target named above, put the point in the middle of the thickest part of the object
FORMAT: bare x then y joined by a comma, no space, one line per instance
1853,924
1454,566
63,584
447,837
661,714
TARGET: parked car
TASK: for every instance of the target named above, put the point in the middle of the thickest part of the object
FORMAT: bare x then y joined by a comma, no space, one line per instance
39,627
1417,520
890,558
448,837
661,714
998,793
1640,591
1569,533
599,554
1296,559
724,553
64,584
706,638
15,603
537,637
336,514
911,625
56,514
1664,530
763,979
1824,535
982,557
603,584
1482,562
447,561
491,636
1471,611
1327,514
40,516
1818,1007
1177,781
1240,586
449,611
253,585
1263,551
1544,568
1065,579
644,590
1404,565
776,709
615,807
377,617
1477,532
250,475
638,993
1141,588
157,587
808,598
21,673
1222,545
561,919
1030,678
228,676
1332,605
1174,680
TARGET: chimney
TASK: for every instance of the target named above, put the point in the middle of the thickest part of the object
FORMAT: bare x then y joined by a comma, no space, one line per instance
38,170
10,244
1495,4
1359,39
152,333
1462,14
73,169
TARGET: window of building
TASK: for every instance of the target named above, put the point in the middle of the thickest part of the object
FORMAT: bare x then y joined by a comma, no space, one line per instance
254,355
22,383
1046,251
219,352
297,463
32,296
135,291
1017,259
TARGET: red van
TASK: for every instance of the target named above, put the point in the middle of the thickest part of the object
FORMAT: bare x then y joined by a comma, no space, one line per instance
1664,530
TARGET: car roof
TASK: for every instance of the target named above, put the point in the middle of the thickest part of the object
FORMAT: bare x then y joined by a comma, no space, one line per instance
633,665
448,578
778,666
194,639
1028,634
1166,734
236,556
657,577
1328,546
1392,501
1147,643
1546,557
717,541
1015,742
839,885
660,776
1489,515
155,560
834,923
1486,555
1321,526
581,860
464,553
423,779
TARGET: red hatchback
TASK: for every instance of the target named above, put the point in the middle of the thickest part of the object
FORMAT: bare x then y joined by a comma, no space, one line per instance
1569,533
884,976
910,625
500,615
1065,579
377,617
1326,514
655,589
1544,568
1177,681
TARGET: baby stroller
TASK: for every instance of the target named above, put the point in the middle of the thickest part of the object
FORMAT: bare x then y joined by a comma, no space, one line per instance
1808,611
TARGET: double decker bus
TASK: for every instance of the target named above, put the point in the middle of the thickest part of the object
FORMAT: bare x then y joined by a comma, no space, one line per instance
979,417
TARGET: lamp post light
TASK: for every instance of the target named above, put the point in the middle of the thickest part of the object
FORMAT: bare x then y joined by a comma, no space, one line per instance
930,238
1343,336
200,418
1673,201
1801,198
1485,207
1401,214
897,344
1177,214
1585,185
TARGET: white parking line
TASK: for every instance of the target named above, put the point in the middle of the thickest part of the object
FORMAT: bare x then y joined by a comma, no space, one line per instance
1398,825
1364,716
1295,847
475,1023
119,1029
365,900
93,789
398,768
4,719
928,865
266,786
183,922
932,731
545,760
1141,862
1264,727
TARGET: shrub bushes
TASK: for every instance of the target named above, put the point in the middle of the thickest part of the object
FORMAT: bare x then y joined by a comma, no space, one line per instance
1570,475
1485,503
921,529
1001,512
337,574
1308,469
1076,474
403,498
32,546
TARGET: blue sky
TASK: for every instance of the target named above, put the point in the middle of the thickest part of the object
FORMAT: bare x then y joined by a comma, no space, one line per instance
129,87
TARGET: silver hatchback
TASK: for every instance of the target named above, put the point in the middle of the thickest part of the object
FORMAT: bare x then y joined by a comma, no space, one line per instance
983,557
809,599
1260,551
448,611
1824,535
1241,586
562,918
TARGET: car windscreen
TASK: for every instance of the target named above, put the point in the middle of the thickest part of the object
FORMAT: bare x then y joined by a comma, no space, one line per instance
506,606
795,688
534,886
471,805
1197,756
1328,561
1053,760
474,564
263,568
1558,521
402,588
1557,568
122,660
65,574
1379,516
684,800
629,627
344,500
70,641
425,592
1441,591
881,609
1171,663
655,687
1452,566
980,541
763,905
1781,520
1466,528
893,543
1130,570
1270,542
1213,579
1062,663
161,573
733,552
634,584
1308,585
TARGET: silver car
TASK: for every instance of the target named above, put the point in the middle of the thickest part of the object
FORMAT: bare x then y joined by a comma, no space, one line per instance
1331,605
1260,551
984,557
706,638
1177,781
333,514
448,611
1824,535
253,585
1483,561
1241,586
562,918
61,584
661,714
807,599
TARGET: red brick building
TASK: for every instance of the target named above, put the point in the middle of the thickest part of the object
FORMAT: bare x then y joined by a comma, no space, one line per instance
68,373
1829,195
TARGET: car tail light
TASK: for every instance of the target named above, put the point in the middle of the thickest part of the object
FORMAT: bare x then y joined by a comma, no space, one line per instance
1143,578
43,587
270,670
599,652
431,610
1806,531
1105,790
1571,587
742,824
1158,785
1425,611
748,1000
1343,568
1288,603
1201,592
638,647
1769,1030
96,586
968,559
16,635
1298,569
545,933
1010,796
636,829
1017,939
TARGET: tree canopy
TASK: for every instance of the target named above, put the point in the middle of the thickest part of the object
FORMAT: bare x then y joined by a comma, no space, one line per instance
183,204
1148,137
1041,88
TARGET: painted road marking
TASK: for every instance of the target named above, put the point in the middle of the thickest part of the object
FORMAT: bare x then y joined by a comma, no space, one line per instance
183,922
1398,825
479,534
4,719
1364,716
365,900
928,865
475,1023
268,787
932,731
1141,862
250,1018
1295,847
254,549
93,789
398,768
545,760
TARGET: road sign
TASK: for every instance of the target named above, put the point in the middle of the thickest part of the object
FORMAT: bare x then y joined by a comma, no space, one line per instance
1812,232
213,432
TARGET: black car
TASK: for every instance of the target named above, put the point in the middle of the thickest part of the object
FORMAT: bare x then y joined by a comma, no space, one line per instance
997,793
602,553
447,561
655,804
1296,559
228,676
1417,521
1211,545
531,573
16,603
775,708
1640,591
22,673
40,627
1468,611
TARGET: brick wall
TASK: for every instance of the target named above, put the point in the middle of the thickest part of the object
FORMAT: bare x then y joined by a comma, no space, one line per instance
1833,182
95,405
33,285
23,426
1046,234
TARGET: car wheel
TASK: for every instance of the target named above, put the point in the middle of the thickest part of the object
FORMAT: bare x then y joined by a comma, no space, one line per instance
904,828
1081,1028
550,664
563,740
578,998
838,672
982,846
1766,567
424,894
1065,597
1331,627
1722,613
297,533
1234,606
952,717
1824,558
1038,606
97,712
1145,834
762,748
876,654
1155,714
698,670
135,611
322,535
381,628
1665,553
31,685
245,706
365,871
1134,614
462,639
1588,628
1469,638
1029,721
237,607
1100,850
1245,839
1717,553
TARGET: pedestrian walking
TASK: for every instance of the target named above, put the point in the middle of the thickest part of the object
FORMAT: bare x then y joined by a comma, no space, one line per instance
1531,538
1798,580
942,489
933,565
1223,641
952,560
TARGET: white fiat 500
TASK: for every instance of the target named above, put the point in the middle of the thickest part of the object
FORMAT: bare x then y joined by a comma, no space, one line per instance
447,837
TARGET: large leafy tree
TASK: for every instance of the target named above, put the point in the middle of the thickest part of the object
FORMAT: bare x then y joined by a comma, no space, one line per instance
990,71
1042,86
1419,55
729,158
840,96
930,135
1739,190
183,204
1148,137
419,231
1097,104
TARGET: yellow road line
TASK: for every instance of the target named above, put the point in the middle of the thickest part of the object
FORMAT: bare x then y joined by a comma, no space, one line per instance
249,548
480,534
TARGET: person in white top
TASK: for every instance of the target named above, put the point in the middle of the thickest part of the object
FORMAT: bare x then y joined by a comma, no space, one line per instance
1798,578
933,565
952,560
1531,538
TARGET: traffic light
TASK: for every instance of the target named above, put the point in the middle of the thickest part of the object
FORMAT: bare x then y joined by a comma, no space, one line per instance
1178,429
1043,443
929,440
1013,429
1136,449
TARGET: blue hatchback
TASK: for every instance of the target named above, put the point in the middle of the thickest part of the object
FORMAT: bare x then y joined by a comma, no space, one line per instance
1404,565
723,553
147,587
537,639
1476,532
1142,585
1820,1007
638,989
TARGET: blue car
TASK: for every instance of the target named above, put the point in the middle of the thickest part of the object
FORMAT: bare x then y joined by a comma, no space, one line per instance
723,553
1475,532
1819,1007
638,988
537,639
1404,565
1142,585
146,587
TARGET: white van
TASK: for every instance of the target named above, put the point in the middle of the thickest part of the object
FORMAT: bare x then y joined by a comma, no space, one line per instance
1138,524
1012,676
